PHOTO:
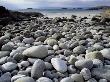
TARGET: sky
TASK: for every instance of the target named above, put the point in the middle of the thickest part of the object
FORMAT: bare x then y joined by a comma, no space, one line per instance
23,4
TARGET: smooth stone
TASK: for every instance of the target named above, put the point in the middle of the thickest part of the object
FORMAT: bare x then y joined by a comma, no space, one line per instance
48,65
92,80
28,40
77,78
59,64
3,60
18,57
94,55
41,38
25,79
5,77
4,53
74,44
51,41
14,78
63,46
97,63
71,69
19,50
101,73
86,73
102,80
79,50
37,69
8,47
25,63
84,63
9,66
72,60
36,51
67,52
67,79
44,79
23,72
106,53
56,47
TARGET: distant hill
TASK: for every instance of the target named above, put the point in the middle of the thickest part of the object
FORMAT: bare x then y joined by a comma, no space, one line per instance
98,8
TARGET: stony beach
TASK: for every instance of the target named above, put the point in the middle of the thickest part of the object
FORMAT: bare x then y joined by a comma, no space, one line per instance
44,49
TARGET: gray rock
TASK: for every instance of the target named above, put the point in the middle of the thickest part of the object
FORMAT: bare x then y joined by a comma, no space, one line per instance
51,41
25,79
36,51
14,78
23,72
77,78
92,80
97,63
102,80
19,50
44,79
56,47
101,73
79,50
4,53
59,64
72,60
37,69
25,63
67,79
67,52
63,46
5,77
3,60
8,47
9,66
86,73
71,69
84,63
48,65
106,53
28,40
94,55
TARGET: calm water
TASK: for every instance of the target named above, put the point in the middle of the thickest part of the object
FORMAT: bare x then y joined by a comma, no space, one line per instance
63,12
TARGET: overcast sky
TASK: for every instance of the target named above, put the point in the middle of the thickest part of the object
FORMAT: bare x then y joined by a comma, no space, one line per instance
21,4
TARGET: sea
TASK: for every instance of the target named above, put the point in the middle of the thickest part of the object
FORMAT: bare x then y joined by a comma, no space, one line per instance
64,12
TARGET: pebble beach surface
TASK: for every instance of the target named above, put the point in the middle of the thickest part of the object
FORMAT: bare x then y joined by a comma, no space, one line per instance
54,50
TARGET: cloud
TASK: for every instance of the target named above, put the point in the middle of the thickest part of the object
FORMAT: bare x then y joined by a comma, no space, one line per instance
12,4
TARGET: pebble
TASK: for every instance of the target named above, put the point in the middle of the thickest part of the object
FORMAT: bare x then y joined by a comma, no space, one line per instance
37,69
28,40
94,55
67,79
44,79
86,73
79,50
106,53
56,47
6,77
25,79
92,80
101,73
84,63
9,66
51,41
59,64
36,51
16,77
77,77
102,80
4,53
